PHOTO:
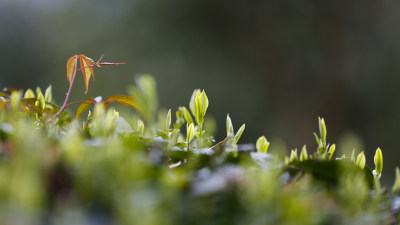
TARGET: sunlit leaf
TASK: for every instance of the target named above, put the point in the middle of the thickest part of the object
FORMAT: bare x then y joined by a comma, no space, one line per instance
82,108
71,67
124,100
48,95
87,69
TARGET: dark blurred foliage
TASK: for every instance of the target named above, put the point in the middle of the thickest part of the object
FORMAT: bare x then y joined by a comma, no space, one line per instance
274,65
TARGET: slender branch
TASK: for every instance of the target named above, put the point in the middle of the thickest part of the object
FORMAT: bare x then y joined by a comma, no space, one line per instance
65,105
68,94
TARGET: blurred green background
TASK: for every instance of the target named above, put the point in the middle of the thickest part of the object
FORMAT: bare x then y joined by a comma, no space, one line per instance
274,65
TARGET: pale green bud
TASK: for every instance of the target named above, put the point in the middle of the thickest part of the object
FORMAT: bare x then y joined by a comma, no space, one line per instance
378,160
360,161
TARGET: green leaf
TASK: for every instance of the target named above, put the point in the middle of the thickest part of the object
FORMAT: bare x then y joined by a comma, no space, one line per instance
317,140
48,95
187,116
199,113
168,120
360,161
229,126
378,160
353,156
322,130
331,151
29,93
293,156
239,133
140,127
261,141
396,185
192,103
41,101
303,154
190,133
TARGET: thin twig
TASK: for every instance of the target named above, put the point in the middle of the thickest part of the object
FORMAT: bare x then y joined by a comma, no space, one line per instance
67,96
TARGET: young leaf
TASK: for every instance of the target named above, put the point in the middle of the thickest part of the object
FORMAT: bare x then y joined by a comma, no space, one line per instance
331,151
239,133
71,67
192,103
229,126
396,186
293,156
87,69
124,100
260,143
353,156
168,120
378,160
140,127
82,108
187,116
322,130
48,95
360,161
303,154
190,133
29,93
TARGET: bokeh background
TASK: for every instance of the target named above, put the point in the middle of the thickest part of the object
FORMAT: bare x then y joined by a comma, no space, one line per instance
274,65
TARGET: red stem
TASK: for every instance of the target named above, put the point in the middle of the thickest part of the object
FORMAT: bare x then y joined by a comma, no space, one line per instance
68,94
65,105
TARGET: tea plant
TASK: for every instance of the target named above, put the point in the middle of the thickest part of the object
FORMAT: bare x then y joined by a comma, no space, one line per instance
155,166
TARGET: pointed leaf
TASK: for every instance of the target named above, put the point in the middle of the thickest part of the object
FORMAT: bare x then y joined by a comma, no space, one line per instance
29,93
48,95
71,67
87,70
82,108
239,133
378,160
168,120
187,116
229,126
124,100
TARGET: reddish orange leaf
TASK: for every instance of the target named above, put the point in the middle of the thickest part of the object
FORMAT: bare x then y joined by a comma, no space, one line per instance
86,65
71,67
82,108
3,105
87,69
124,100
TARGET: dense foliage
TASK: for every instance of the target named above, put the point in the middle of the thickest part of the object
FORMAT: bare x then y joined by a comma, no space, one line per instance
147,167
